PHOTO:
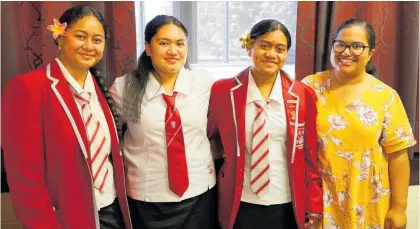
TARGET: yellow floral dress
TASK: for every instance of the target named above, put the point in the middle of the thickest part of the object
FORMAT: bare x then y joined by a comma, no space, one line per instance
354,140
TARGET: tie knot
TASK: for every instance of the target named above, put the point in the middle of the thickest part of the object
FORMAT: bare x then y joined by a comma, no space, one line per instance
260,104
83,97
170,99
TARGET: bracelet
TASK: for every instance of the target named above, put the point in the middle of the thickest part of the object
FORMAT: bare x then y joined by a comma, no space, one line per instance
314,215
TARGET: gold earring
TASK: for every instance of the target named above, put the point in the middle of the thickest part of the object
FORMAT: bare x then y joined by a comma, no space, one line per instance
59,47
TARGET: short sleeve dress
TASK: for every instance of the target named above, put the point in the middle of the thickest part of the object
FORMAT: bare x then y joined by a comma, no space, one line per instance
354,142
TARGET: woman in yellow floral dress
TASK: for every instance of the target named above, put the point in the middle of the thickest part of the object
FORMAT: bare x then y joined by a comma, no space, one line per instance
363,134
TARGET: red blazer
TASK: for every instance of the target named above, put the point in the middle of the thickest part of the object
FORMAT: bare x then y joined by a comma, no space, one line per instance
45,147
226,123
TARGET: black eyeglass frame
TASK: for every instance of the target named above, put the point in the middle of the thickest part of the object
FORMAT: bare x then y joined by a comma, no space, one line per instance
349,47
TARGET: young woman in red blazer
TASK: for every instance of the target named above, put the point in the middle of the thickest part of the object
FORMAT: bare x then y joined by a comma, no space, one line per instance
61,152
264,126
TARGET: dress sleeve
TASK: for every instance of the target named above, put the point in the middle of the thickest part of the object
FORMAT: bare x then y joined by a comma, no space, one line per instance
308,81
396,130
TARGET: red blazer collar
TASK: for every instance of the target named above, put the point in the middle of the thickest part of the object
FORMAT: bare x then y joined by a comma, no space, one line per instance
242,79
64,94
291,102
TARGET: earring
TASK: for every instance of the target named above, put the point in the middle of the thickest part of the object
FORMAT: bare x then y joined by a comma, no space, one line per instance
59,47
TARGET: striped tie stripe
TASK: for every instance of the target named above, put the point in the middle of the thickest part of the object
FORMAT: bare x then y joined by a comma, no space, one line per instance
260,178
98,154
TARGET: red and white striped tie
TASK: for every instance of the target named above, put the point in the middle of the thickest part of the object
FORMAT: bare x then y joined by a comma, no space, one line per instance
98,155
260,178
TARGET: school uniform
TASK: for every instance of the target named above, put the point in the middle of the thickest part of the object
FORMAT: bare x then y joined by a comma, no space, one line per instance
279,187
152,175
54,180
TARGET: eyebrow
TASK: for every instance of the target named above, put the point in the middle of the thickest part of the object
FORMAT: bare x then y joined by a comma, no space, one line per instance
167,39
361,42
268,42
82,31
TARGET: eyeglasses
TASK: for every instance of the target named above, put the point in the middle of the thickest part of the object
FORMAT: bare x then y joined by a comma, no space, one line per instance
356,49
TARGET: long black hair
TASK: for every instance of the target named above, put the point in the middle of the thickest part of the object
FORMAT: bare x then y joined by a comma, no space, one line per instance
370,33
270,25
136,81
71,16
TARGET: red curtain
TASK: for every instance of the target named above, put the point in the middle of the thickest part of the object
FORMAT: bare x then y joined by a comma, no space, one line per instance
397,48
27,44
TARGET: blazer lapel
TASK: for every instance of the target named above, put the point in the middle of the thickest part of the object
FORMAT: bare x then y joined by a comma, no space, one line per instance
64,94
238,100
291,103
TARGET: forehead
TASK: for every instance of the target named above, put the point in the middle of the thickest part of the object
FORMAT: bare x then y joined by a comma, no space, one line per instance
274,37
353,33
171,32
88,24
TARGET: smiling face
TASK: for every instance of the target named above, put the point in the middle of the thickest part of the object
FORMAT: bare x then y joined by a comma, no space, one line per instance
168,49
84,44
345,62
269,52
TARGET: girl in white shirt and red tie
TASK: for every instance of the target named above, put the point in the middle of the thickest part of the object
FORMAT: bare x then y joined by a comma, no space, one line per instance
169,164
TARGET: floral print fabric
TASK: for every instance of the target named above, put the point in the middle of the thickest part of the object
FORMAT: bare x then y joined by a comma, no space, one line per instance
354,140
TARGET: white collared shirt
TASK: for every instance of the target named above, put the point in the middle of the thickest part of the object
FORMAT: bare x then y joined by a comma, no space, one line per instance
145,142
107,195
274,112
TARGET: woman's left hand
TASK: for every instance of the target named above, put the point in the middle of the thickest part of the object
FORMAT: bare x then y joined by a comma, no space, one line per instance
396,219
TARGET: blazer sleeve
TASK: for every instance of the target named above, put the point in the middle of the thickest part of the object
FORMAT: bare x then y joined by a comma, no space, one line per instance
22,143
314,197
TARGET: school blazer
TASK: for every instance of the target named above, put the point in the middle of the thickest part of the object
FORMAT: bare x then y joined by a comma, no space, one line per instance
226,125
45,152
